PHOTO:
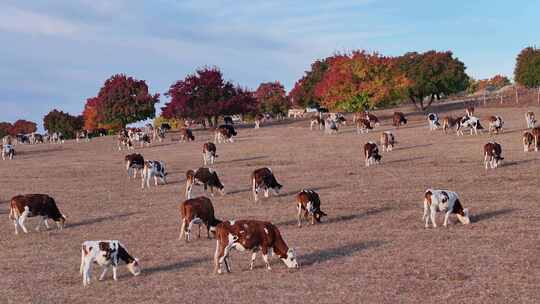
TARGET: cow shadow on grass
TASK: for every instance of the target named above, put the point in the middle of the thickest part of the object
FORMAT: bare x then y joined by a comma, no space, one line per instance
482,216
412,147
100,219
403,160
321,256
244,159
175,266
517,162
294,192
341,218
42,151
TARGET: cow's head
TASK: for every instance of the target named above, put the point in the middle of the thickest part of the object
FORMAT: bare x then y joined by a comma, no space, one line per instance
318,215
465,218
134,267
290,260
60,222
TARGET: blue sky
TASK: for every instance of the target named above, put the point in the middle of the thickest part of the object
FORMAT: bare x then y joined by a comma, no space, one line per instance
57,53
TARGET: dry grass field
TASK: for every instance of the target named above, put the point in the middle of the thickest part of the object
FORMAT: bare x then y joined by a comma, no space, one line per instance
372,248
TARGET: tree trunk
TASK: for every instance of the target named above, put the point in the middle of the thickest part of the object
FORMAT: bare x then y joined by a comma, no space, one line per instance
209,118
430,101
517,97
415,103
216,118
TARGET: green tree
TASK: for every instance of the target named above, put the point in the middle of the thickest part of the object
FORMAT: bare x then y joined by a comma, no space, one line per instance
527,70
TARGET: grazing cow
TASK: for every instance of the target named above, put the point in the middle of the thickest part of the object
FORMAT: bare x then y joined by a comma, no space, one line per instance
444,201
530,119
82,135
57,138
224,133
143,138
449,122
528,141
8,151
209,153
186,135
199,211
471,122
340,119
309,202
492,155
373,120
316,121
331,126
371,153
30,205
251,235
155,169
536,135
495,124
101,132
259,118
433,120
134,163
106,253
264,178
469,111
35,138
363,126
228,120
122,140
387,141
206,177
399,119
22,139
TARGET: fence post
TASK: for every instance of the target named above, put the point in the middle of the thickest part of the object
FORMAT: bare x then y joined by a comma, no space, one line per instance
517,97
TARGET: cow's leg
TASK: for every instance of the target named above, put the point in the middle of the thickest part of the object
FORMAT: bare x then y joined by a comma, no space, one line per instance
299,215
425,217
199,236
265,257
182,229
253,257
16,224
486,160
254,190
266,192
103,273
114,270
46,221
188,235
155,180
446,218
86,272
40,223
433,213
23,218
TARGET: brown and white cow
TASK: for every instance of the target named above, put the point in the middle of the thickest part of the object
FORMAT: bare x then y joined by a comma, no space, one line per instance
106,253
528,141
186,134
209,153
224,133
198,211
264,178
399,119
492,155
374,121
387,141
444,201
530,119
449,122
259,118
371,154
254,236
363,125
206,177
536,136
308,202
316,121
134,163
30,205
495,124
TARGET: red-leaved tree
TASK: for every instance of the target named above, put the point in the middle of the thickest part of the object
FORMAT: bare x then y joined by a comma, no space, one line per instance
22,126
272,98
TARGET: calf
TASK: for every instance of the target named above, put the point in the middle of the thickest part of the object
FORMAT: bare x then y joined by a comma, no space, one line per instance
316,121
199,211
530,119
399,119
371,154
186,135
536,136
30,205
471,122
134,163
495,124
209,153
363,125
7,151
309,202
433,121
528,141
492,155
264,178
387,141
449,122
253,236
203,176
105,254
155,169
444,201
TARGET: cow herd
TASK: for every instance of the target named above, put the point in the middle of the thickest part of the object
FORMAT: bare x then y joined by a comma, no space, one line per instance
251,235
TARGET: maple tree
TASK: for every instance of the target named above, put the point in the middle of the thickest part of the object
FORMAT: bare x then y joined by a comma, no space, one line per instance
22,126
272,98
303,93
5,128
90,114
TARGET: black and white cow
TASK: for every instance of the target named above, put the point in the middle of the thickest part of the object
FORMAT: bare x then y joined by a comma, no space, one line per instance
471,122
7,151
371,154
209,153
444,201
530,119
264,178
206,177
155,169
433,121
106,253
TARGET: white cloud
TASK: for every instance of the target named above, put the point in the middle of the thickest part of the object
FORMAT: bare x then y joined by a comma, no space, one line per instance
23,21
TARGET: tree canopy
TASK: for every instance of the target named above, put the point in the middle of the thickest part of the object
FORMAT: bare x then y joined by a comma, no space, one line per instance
272,98
58,121
527,70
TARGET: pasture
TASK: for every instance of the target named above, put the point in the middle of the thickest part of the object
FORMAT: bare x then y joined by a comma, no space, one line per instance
372,247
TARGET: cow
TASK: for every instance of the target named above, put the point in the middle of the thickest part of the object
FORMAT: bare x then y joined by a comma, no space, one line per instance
199,211
536,136
155,169
469,111
206,177
224,133
134,163
263,178
316,121
471,122
228,120
259,118
495,124
142,137
186,135
363,126
371,154
30,205
35,138
106,253
449,122
308,202
433,121
8,139
374,121
251,235
399,119
57,138
331,126
83,134
22,139
530,119
492,155
8,151
101,132
528,141
123,140
209,153
444,201
387,141
158,134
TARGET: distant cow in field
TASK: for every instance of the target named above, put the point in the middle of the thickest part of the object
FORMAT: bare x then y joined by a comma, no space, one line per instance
433,121
155,169
331,126
399,119
259,118
30,205
203,176
492,155
444,201
264,179
371,154
373,120
198,211
186,134
123,140
309,203
449,122
495,124
82,135
471,122
251,235
316,121
224,133
387,141
363,126
536,136
22,139
8,151
105,254
134,163
528,141
209,153
530,119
